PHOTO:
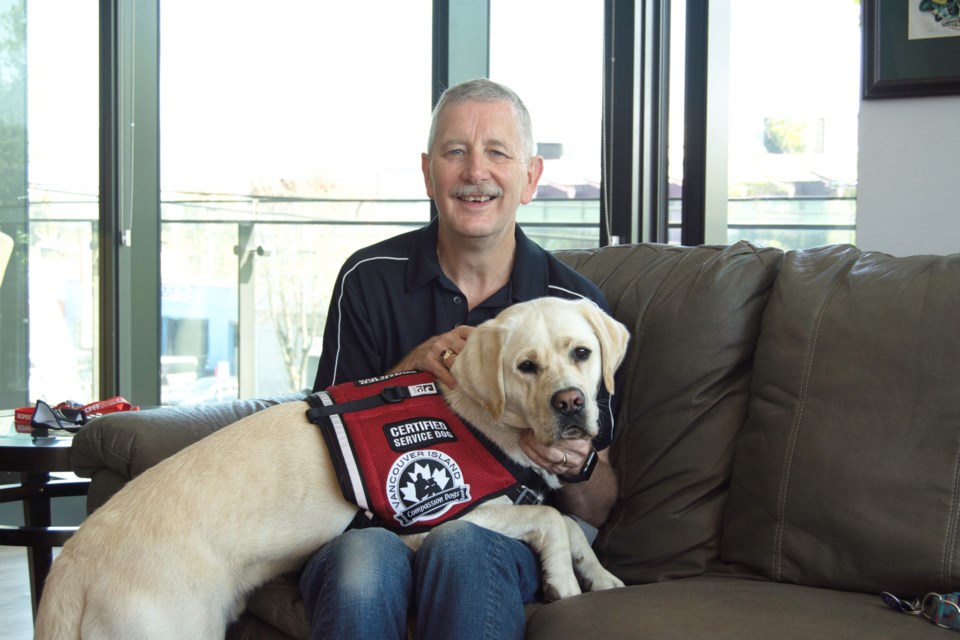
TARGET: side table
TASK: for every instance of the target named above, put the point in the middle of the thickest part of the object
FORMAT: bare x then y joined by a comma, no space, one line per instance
34,459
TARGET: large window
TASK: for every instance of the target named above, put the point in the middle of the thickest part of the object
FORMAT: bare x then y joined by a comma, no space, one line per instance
794,97
551,53
291,136
48,200
786,76
271,140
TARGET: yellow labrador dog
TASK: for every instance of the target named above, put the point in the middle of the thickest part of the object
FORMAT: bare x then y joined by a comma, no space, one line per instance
175,552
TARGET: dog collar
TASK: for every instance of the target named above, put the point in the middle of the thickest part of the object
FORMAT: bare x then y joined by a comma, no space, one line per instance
585,471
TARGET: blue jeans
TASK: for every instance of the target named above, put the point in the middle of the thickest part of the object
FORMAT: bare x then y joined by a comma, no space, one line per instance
465,582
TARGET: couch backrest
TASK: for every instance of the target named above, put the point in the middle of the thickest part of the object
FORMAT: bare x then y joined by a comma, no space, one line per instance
694,317
848,469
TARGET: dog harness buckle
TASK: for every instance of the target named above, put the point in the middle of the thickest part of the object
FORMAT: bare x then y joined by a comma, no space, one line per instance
394,394
526,495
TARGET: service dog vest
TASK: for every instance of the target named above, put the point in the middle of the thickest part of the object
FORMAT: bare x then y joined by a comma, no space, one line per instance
406,459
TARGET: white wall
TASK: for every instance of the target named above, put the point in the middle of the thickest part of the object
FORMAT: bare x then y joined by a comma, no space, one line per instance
908,182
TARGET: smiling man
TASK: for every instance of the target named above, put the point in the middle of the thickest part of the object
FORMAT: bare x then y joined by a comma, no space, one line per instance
411,302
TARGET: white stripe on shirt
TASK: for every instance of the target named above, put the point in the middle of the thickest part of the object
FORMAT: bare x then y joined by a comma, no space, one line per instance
343,288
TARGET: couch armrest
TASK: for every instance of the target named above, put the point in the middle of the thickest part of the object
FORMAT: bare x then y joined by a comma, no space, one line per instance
118,447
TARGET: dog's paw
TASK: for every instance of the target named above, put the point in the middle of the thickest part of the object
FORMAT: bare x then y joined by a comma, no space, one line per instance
554,589
602,580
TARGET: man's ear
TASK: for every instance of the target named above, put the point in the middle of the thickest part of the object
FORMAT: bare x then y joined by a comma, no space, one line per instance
613,337
427,178
479,368
534,171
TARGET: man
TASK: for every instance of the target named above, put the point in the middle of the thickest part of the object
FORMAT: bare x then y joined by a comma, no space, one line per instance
411,302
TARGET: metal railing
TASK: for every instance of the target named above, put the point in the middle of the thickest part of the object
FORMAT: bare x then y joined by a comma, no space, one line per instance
63,265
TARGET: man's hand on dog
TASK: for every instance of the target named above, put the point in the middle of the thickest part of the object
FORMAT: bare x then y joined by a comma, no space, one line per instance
436,355
565,457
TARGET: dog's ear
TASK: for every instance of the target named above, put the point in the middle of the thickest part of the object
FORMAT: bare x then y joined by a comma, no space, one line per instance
613,337
479,368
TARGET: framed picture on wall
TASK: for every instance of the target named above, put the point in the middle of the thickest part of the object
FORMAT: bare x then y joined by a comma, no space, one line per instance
911,48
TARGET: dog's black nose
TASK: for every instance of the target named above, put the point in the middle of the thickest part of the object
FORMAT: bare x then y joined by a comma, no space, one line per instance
567,401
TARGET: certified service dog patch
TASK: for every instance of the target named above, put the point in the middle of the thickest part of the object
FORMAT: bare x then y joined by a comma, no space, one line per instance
406,459
423,485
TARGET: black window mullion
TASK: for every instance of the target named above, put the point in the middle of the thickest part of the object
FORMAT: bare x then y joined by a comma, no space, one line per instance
441,49
658,106
109,378
440,65
693,230
617,129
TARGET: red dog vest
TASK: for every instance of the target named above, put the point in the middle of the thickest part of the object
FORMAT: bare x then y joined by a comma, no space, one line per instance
406,459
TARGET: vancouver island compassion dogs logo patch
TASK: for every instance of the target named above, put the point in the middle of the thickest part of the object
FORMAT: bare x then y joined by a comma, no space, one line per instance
423,485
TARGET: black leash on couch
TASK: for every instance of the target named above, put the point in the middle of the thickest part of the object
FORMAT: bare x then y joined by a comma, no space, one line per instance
942,610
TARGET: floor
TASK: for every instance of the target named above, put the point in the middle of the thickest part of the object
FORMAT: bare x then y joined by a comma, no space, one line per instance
15,595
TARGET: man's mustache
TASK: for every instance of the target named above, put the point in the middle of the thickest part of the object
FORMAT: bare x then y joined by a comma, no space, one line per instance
482,190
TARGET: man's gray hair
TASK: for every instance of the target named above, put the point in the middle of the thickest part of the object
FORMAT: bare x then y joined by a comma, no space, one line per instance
484,90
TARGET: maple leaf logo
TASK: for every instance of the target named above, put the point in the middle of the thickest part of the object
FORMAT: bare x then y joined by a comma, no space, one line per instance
422,483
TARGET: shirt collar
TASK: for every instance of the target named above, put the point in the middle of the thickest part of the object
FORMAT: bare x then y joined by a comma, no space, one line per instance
529,279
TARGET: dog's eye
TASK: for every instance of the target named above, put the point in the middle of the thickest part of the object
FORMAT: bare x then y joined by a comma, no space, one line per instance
527,366
580,354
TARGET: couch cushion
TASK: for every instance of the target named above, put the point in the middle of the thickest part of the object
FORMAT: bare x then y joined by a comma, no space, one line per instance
278,603
694,315
848,470
725,609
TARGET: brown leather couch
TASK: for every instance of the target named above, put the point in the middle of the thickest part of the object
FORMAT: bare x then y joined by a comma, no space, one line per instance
788,446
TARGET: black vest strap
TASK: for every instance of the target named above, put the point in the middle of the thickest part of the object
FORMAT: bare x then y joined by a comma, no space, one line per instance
389,395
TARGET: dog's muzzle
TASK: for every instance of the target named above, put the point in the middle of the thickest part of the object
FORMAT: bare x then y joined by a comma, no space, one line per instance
568,405
568,402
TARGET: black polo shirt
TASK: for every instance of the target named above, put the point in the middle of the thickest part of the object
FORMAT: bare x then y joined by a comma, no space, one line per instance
392,296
